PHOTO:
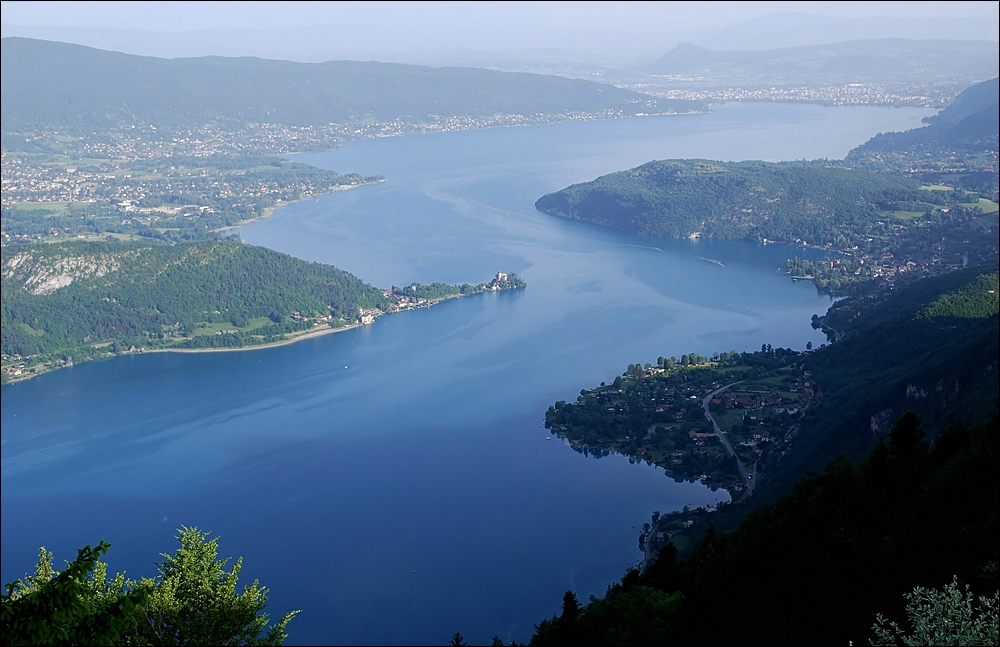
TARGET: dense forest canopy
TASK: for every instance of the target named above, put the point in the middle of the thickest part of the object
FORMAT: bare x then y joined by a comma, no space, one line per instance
751,200
71,298
59,86
818,566
930,346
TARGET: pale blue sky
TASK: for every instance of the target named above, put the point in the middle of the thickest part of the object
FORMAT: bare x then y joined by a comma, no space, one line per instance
454,32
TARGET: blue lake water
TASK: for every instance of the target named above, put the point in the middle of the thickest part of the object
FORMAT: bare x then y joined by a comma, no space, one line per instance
395,482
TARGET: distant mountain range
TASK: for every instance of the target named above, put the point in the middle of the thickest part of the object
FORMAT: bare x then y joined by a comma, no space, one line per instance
522,38
856,61
59,86
797,29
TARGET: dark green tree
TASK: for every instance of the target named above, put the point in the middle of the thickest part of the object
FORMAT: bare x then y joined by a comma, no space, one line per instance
70,607
194,600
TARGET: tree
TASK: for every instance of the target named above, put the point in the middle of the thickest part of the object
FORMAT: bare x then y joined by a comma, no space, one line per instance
194,600
64,608
945,616
571,607
458,640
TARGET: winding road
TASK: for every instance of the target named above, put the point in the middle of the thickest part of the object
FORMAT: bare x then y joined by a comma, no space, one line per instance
748,478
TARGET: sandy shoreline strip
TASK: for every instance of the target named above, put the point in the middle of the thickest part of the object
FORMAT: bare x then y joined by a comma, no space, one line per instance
284,342
323,330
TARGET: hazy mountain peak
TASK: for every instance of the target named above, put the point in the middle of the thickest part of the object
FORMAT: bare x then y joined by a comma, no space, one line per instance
853,61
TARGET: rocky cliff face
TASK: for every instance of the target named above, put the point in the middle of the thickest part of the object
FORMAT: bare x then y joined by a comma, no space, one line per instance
44,273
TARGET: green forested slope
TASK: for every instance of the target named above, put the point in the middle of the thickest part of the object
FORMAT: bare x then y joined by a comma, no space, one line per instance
58,86
931,346
961,138
65,299
969,101
751,200
888,507
816,567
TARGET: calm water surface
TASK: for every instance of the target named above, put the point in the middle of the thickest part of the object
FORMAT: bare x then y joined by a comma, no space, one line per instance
395,482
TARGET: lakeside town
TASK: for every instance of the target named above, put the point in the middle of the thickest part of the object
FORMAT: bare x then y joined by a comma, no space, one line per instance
191,183
724,420
916,95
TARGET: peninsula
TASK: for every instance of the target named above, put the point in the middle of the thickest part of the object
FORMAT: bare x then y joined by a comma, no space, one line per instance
63,303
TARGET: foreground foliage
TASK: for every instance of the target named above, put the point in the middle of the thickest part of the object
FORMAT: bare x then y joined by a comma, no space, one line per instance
65,608
945,616
192,601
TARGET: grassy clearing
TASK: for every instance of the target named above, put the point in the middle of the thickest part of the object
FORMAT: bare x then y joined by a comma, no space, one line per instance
905,215
68,162
28,330
57,208
204,329
729,419
988,206
125,237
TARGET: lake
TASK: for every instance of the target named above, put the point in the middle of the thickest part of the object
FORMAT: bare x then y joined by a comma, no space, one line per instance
395,481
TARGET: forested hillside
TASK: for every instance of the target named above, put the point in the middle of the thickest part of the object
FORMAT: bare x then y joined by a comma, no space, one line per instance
816,567
970,101
970,122
741,200
58,86
78,300
931,346
903,441
960,145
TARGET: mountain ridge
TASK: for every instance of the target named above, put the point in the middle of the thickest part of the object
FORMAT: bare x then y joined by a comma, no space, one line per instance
84,90
882,59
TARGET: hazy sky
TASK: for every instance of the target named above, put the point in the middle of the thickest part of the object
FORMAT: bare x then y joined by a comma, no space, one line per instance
618,32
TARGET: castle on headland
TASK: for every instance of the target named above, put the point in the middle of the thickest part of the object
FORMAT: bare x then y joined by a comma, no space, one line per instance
498,283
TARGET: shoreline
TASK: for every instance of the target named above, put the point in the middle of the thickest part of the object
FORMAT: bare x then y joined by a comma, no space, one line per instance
309,334
269,211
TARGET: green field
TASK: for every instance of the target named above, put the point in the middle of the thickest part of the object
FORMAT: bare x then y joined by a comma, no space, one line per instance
213,328
988,206
28,330
905,215
57,208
